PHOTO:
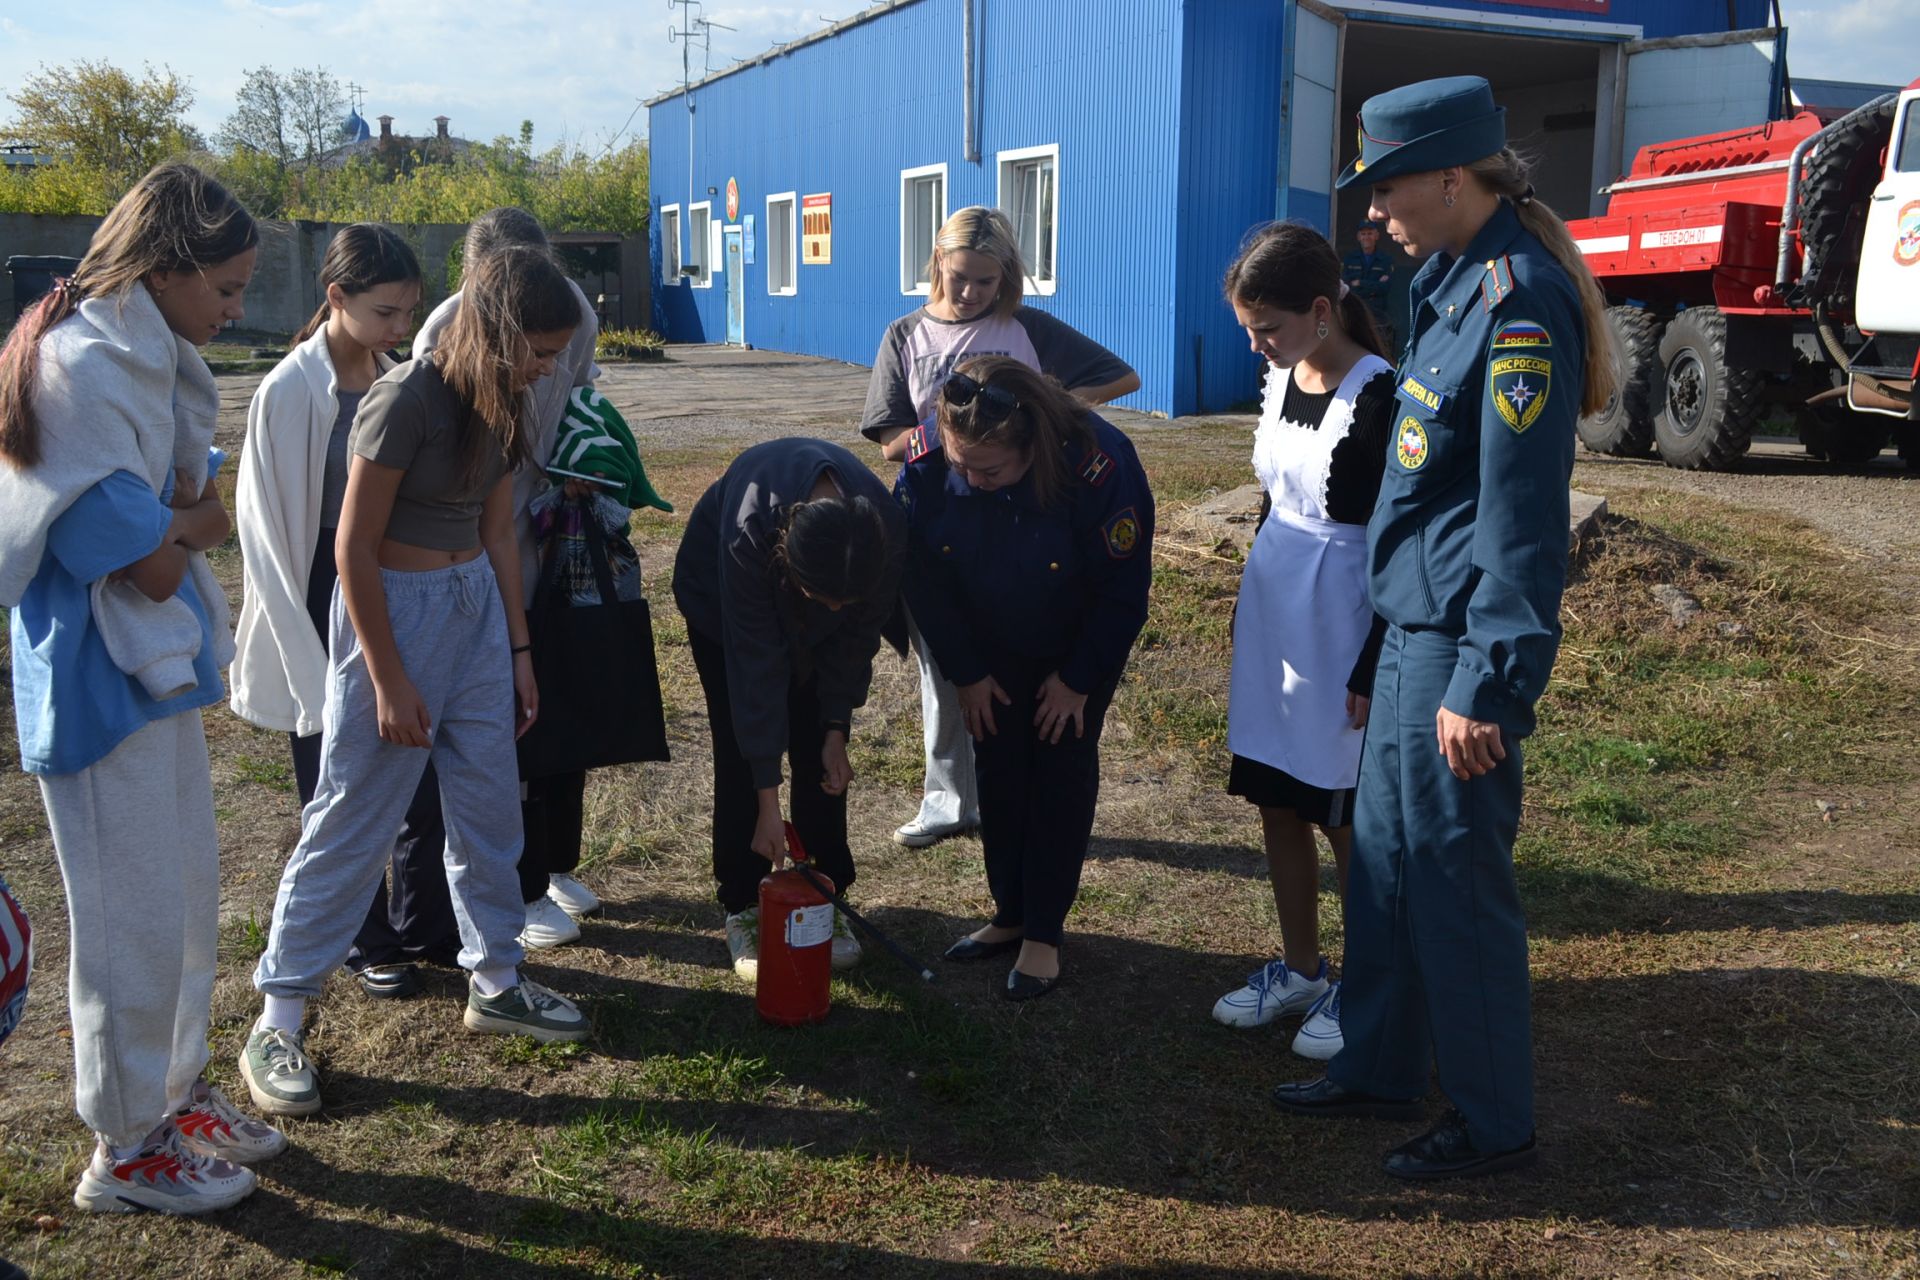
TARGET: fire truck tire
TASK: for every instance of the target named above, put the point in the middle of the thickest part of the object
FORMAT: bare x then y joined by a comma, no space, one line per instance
1705,409
1840,174
1624,425
1839,436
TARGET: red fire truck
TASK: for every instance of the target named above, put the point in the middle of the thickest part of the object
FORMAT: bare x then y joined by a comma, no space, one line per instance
1760,270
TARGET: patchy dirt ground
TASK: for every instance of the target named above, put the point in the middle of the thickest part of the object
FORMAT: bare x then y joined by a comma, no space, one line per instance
1719,857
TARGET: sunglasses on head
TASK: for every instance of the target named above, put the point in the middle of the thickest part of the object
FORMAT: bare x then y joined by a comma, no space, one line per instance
996,403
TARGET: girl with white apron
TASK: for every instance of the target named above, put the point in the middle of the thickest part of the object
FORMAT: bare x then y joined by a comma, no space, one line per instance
1304,635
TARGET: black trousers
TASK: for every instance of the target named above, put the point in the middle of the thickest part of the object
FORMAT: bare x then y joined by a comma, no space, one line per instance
553,815
821,819
411,915
1036,803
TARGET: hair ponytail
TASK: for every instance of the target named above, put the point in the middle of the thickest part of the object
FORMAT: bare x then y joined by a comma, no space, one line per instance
1288,266
1509,176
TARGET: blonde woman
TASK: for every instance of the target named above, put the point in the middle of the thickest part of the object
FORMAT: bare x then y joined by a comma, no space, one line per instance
1467,557
973,308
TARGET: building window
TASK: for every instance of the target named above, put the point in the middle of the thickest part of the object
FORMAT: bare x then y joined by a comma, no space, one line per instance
670,245
1029,196
699,259
923,207
783,240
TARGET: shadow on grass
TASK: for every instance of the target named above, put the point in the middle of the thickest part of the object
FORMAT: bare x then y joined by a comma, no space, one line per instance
532,1237
1683,1098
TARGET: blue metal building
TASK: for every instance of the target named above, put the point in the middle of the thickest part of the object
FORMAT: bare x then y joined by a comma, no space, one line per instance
1133,142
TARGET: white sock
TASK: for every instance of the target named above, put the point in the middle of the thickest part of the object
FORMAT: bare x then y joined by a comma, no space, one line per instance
491,982
283,1013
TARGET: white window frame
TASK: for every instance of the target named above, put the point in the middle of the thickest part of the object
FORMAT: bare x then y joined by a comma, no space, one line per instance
910,283
784,230
703,277
1006,191
670,253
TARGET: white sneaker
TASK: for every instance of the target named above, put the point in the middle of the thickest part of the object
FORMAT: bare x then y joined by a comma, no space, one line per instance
1271,993
1319,1036
573,897
743,943
547,926
920,833
846,947
163,1175
214,1127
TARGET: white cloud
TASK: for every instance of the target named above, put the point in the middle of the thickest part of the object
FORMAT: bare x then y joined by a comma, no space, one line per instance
1853,40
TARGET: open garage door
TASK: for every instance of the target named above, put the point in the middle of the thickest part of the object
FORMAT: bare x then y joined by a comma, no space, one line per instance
1309,146
1689,85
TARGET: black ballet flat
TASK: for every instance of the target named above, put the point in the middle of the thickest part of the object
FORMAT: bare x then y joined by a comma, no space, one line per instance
970,950
1024,986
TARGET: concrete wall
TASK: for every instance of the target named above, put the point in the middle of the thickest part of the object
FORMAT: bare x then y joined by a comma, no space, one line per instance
284,294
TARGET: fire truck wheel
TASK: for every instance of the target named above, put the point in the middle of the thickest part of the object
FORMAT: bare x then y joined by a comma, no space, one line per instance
1705,409
1845,439
1624,425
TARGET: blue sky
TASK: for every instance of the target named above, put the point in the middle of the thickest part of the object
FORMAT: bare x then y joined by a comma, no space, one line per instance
578,68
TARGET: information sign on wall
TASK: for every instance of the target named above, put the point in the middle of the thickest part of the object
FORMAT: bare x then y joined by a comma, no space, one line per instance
816,229
733,200
747,222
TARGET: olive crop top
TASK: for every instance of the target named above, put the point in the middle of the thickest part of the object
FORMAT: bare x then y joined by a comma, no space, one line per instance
411,420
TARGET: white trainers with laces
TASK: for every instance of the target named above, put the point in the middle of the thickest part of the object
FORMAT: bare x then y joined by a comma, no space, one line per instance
548,925
920,833
1319,1036
743,943
214,1127
571,896
1272,992
164,1175
846,947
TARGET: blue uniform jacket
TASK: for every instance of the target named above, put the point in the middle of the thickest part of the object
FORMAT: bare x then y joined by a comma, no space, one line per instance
996,574
1470,532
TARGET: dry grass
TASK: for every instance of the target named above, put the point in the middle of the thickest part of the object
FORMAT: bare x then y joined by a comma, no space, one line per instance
1727,1020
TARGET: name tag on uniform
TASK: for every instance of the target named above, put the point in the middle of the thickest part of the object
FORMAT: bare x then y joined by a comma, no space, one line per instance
1420,393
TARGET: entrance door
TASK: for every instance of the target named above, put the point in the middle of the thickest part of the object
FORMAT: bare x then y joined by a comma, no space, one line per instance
1309,141
736,289
1685,86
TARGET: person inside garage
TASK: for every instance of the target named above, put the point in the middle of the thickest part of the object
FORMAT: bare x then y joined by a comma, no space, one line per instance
1368,272
1467,558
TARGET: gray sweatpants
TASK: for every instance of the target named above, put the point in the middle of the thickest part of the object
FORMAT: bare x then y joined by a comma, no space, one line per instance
452,636
138,853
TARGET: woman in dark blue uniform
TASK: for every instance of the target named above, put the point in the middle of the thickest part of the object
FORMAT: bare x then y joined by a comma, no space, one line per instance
1029,544
1467,557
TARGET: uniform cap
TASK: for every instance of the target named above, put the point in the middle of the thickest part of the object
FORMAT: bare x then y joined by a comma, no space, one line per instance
1430,125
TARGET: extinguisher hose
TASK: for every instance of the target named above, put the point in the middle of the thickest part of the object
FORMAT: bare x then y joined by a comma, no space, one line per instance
798,853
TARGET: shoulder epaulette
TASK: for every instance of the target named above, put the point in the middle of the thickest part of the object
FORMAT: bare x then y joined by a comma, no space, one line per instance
919,443
1096,468
1497,283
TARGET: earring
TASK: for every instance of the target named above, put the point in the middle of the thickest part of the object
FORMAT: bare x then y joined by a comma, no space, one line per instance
1321,332
1449,199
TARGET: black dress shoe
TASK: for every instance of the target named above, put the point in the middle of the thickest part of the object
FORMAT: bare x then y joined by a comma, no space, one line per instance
1447,1151
1024,986
389,981
970,949
1322,1097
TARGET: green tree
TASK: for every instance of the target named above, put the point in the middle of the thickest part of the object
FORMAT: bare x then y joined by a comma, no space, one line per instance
294,118
101,118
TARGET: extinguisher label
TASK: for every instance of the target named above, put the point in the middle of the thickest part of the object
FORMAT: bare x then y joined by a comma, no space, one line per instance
810,926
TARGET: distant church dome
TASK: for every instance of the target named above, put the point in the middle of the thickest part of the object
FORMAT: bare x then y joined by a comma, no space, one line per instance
354,129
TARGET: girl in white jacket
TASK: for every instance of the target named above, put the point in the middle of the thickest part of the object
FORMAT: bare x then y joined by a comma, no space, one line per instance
293,475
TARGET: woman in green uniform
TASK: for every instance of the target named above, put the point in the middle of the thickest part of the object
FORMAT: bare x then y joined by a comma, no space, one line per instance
1467,557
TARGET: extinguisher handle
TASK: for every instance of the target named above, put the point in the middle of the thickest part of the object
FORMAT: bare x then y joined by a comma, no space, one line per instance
795,849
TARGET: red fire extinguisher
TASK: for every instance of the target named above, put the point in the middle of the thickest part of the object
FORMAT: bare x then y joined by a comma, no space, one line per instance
796,944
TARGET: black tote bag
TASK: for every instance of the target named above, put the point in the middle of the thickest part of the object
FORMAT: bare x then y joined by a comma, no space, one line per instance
598,682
